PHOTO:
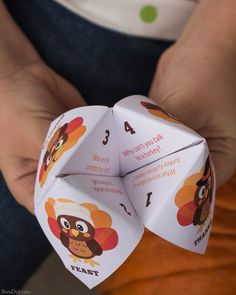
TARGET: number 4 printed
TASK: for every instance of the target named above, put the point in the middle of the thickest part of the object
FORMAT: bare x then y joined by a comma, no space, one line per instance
128,128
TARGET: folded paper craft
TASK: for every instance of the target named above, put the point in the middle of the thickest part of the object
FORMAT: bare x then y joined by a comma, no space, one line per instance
106,173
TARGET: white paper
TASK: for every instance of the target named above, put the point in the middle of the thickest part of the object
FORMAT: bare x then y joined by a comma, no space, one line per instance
105,173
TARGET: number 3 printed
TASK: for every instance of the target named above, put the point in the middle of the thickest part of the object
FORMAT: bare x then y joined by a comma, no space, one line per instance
105,140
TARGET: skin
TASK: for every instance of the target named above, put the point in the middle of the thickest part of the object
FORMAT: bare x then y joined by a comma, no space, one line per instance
194,81
31,96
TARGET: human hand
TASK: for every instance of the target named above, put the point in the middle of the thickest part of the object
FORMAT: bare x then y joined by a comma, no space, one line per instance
195,81
30,98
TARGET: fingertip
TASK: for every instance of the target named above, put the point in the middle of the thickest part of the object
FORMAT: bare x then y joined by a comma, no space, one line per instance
224,168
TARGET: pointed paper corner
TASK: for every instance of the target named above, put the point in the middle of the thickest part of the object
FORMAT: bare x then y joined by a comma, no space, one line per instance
98,154
67,208
145,105
184,215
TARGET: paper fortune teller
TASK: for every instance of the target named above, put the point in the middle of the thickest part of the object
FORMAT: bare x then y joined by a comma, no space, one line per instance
106,173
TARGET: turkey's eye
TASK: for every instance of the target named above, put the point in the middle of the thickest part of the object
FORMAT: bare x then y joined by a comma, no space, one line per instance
48,160
59,144
65,223
202,192
209,182
81,226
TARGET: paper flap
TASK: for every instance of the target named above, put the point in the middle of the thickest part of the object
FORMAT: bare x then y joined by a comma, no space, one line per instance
86,225
70,148
99,153
174,197
144,137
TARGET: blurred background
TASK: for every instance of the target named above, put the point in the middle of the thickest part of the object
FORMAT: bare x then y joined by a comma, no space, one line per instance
53,278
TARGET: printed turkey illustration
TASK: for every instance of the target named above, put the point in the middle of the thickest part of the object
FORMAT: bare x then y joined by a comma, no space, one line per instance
83,229
62,140
195,197
157,111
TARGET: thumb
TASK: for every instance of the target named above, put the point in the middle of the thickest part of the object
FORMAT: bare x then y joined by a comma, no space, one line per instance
68,95
176,93
175,90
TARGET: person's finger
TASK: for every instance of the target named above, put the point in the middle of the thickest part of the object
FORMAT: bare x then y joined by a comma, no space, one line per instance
161,68
224,167
67,93
222,151
20,184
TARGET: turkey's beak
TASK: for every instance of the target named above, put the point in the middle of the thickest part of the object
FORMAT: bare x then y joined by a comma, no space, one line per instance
74,232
